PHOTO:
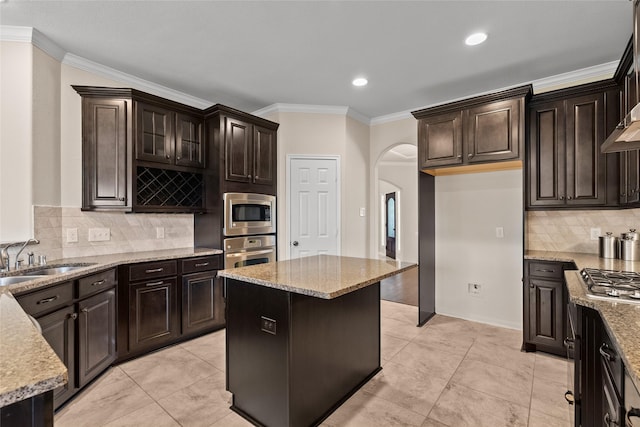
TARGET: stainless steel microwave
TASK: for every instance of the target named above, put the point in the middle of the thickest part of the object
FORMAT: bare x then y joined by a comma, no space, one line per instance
247,214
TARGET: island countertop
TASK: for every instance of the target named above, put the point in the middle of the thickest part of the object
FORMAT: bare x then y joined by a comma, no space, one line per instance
320,276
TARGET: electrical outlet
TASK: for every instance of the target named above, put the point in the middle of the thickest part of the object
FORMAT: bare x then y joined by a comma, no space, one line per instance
72,235
267,325
474,289
362,211
99,234
159,232
499,232
595,233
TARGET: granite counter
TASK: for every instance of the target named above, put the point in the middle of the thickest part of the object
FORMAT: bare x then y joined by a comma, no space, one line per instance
622,320
28,365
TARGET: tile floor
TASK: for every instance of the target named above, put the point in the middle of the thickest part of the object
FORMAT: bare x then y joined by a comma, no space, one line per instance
450,372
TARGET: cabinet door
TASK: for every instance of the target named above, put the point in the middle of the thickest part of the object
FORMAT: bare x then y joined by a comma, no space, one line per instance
190,146
546,313
264,156
440,140
493,131
58,329
546,157
153,313
202,303
585,165
104,153
153,133
96,335
238,155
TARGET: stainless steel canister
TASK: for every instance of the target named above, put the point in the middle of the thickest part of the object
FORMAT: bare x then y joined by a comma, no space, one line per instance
608,246
631,235
630,250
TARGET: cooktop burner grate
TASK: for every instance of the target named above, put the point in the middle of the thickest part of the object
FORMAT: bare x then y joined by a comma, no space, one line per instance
612,285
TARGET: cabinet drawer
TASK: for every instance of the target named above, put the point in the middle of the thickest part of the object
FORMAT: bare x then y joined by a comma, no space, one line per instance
552,270
96,283
149,270
47,299
195,265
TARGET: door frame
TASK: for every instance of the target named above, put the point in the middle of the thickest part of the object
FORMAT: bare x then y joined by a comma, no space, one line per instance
290,158
395,223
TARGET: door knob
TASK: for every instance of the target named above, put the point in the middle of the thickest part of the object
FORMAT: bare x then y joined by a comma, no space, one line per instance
295,243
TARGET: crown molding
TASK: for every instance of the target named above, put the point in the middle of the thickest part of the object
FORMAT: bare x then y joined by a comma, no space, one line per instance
597,72
393,117
133,81
11,33
312,109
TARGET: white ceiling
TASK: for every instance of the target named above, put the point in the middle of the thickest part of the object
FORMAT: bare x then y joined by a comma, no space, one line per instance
251,54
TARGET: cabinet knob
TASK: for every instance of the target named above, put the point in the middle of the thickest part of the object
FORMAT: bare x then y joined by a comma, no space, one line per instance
85,310
532,286
470,155
623,194
167,156
121,199
249,176
73,316
256,177
459,156
178,158
561,197
570,197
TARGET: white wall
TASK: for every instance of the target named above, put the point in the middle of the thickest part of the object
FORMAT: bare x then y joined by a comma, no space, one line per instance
402,178
468,210
327,134
16,116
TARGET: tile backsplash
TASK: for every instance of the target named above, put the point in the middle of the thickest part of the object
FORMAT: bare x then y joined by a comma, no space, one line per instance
128,232
570,231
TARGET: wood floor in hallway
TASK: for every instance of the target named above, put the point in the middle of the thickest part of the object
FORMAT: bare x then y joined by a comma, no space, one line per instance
401,288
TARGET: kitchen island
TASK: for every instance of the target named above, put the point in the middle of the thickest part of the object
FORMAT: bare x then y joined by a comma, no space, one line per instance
302,335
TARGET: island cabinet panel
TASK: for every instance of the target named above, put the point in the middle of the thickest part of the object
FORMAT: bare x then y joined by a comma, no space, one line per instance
292,359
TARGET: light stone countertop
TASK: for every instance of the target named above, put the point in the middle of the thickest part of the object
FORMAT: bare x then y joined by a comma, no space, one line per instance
28,365
621,320
321,276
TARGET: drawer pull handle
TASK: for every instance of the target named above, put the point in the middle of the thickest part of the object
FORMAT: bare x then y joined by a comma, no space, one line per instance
98,283
604,353
155,283
568,342
202,264
47,300
544,270
154,270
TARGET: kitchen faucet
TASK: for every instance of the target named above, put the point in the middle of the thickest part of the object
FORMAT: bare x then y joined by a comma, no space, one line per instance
5,263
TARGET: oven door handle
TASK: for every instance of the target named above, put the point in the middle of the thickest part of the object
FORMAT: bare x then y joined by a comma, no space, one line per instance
245,253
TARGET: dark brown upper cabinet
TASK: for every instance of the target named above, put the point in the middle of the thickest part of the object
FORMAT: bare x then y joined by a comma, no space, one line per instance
141,153
565,167
484,129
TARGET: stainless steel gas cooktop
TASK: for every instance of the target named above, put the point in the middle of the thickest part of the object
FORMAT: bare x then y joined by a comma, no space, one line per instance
611,285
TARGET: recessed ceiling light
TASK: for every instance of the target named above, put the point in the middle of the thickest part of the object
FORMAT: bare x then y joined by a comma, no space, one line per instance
360,81
475,39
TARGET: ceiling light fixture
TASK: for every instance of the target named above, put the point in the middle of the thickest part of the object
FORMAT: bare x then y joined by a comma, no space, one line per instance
475,39
360,81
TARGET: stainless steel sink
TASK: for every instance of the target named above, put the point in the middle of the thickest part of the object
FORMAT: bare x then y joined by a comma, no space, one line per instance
50,271
4,281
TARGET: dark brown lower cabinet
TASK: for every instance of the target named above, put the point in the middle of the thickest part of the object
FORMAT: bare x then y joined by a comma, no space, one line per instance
202,303
153,313
58,328
545,301
96,335
36,411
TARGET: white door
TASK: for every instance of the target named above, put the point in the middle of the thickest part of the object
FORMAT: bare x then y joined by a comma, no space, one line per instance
313,207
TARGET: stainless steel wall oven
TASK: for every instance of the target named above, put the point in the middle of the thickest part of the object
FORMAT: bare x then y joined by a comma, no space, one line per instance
250,250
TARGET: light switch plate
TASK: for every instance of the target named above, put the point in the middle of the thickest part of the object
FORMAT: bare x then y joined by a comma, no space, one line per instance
595,233
159,232
72,235
99,234
499,232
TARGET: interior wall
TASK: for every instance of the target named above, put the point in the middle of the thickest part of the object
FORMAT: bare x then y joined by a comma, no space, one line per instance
16,117
468,210
46,129
382,137
405,178
327,134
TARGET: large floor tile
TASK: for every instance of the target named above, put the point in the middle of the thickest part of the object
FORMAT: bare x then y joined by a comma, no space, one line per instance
232,420
513,386
457,343
407,387
402,312
398,328
150,415
210,348
505,337
432,423
548,398
551,368
499,355
110,397
203,400
428,361
366,410
460,406
163,373
540,419
390,346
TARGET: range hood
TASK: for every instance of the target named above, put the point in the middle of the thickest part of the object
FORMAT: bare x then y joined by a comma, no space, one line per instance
626,136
